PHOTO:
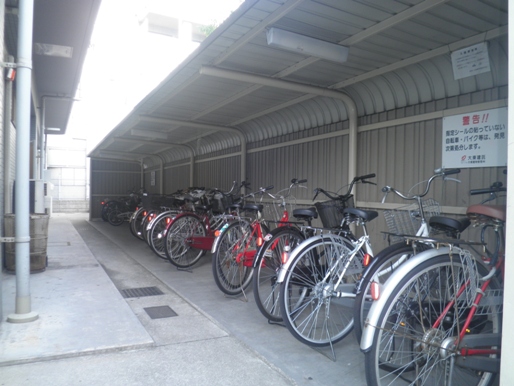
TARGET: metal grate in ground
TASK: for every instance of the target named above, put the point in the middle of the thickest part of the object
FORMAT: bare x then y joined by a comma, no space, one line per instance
160,312
140,292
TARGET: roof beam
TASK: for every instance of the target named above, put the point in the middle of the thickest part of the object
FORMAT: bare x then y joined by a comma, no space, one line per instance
205,126
351,107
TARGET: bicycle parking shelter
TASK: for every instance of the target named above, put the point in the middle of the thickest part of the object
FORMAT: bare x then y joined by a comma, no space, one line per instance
241,108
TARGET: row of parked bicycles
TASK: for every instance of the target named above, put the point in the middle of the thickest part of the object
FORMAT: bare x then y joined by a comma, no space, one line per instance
427,310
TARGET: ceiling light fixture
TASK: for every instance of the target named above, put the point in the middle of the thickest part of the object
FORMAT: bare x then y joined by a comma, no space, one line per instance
53,50
306,45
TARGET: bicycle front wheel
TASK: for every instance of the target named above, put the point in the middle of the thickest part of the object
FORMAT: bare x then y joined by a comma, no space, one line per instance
417,337
319,273
180,236
266,290
233,260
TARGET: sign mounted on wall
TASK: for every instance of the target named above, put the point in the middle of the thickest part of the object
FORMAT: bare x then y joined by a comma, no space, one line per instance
475,140
470,61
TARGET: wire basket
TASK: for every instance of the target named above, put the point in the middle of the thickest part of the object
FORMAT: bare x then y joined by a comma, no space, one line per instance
220,203
407,220
331,212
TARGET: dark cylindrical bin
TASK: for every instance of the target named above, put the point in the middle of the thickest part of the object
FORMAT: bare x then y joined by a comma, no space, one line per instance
38,242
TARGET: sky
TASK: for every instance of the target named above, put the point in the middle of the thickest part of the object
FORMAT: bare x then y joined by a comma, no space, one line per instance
123,64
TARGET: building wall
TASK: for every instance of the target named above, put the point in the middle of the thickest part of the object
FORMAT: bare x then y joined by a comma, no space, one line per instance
67,170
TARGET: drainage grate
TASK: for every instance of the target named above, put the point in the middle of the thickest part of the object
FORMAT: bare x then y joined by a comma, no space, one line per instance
140,292
160,312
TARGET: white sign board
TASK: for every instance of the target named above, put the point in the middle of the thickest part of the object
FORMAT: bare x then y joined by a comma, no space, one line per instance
470,61
474,140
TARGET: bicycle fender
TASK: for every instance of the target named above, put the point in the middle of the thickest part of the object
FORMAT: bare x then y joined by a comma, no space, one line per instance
267,240
299,249
377,260
214,247
389,286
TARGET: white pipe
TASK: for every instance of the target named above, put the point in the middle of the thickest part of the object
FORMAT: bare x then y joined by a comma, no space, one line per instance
7,143
351,107
23,311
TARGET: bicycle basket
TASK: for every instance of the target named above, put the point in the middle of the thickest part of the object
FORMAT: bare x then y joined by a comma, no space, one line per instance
220,203
407,220
331,212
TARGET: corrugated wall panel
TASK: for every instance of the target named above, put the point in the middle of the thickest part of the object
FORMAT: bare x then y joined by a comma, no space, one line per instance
218,173
176,178
111,179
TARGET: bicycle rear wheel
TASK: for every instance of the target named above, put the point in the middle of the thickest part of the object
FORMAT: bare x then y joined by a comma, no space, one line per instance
136,223
266,289
115,216
156,235
416,341
233,260
383,266
309,307
179,250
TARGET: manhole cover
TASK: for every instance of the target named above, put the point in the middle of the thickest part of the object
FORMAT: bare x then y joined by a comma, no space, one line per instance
160,312
140,292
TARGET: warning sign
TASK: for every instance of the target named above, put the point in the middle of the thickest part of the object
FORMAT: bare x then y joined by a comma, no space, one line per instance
475,140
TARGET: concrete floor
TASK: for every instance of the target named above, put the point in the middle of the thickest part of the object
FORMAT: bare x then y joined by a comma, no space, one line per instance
88,333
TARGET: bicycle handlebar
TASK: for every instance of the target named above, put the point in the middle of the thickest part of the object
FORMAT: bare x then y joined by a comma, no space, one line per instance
437,173
494,188
344,197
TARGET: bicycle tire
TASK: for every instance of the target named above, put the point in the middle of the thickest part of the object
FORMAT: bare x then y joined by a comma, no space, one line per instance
386,261
135,223
232,271
178,249
150,215
157,234
115,217
309,310
268,261
408,347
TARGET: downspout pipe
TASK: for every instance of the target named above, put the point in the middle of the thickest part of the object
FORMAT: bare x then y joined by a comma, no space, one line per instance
351,107
7,142
23,312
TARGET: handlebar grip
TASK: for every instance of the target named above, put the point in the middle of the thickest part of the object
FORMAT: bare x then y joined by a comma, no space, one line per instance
372,175
486,190
302,181
451,171
269,187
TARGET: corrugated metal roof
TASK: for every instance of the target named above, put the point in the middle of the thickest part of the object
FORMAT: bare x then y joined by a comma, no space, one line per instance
399,55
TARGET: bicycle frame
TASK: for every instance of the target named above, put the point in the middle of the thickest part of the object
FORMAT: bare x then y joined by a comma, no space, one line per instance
203,242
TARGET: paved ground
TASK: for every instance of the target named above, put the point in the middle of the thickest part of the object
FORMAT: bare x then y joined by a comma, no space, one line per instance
87,333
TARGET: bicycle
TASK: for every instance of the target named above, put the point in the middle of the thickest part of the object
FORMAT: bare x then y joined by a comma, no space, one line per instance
122,211
317,281
189,235
280,242
438,320
234,250
420,219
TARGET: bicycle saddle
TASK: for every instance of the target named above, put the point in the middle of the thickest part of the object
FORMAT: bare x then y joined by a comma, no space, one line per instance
487,213
449,225
306,213
366,215
255,207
